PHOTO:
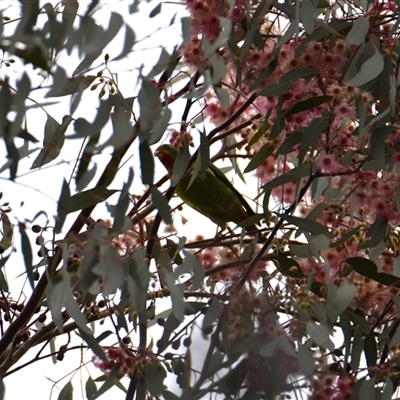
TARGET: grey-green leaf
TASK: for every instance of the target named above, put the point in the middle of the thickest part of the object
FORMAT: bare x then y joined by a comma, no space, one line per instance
67,392
7,238
89,198
213,313
155,374
369,70
320,335
54,137
305,359
358,31
26,252
146,163
90,388
280,88
260,157
309,225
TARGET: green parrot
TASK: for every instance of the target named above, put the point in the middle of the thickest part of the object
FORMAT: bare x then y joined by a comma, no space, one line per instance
214,196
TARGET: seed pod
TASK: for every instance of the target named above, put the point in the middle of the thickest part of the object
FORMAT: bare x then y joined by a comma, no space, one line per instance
36,228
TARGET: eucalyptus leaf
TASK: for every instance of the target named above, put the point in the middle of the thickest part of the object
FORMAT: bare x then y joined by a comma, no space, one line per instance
320,335
306,360
7,239
213,313
54,137
275,89
161,203
90,388
155,374
26,252
369,70
66,392
146,163
358,31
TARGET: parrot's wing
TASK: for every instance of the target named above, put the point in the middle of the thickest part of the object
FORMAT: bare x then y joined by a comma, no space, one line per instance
222,177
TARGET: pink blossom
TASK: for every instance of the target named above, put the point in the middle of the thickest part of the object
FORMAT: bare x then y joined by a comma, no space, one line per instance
327,164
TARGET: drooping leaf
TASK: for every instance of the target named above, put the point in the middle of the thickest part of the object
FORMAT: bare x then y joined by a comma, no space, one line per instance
63,207
309,225
307,104
344,296
3,281
213,313
215,363
146,163
84,129
7,239
358,31
294,174
320,335
161,204
280,88
138,280
129,42
121,221
109,269
26,252
378,146
367,389
150,106
280,342
92,343
232,381
369,70
318,244
260,157
388,390
176,292
288,266
89,198
72,85
311,135
371,352
91,7
67,392
31,50
155,375
180,165
160,126
110,382
90,388
288,144
54,137
306,360
249,39
81,177
203,159
2,389
307,16
377,233
369,269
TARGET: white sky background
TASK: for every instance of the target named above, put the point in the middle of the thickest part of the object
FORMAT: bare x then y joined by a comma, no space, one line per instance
40,189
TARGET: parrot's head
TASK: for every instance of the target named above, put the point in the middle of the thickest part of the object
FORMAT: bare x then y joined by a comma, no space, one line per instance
167,155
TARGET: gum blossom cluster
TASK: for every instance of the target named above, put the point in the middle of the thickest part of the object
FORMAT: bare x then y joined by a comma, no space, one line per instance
358,191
